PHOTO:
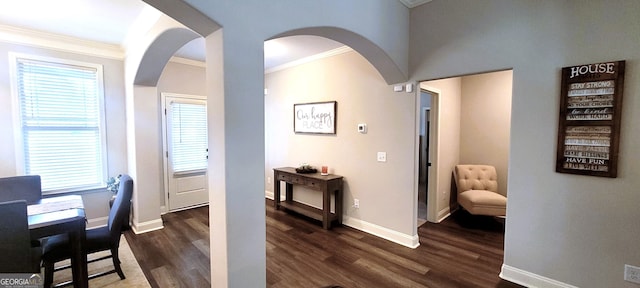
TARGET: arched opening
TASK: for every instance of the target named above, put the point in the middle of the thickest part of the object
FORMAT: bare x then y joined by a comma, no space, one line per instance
159,52
344,75
145,65
237,120
373,53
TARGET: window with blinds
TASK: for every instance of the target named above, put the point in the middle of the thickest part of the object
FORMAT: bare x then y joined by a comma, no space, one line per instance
188,137
61,123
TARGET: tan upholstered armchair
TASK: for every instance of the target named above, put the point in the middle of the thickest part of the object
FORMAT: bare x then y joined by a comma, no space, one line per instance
478,190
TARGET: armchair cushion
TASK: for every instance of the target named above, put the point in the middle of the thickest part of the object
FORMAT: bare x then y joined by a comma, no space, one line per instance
482,202
478,190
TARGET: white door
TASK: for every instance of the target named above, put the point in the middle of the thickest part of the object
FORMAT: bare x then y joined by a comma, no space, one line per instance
187,151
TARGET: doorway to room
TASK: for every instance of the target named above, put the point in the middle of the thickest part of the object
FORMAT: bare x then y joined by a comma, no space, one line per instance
469,120
424,154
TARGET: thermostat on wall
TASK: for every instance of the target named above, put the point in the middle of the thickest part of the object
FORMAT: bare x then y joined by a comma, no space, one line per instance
362,128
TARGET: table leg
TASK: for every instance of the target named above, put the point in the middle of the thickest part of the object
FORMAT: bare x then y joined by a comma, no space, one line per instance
338,199
289,192
79,256
276,193
326,209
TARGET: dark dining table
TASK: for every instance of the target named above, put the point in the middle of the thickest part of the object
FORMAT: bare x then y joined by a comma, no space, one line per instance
59,215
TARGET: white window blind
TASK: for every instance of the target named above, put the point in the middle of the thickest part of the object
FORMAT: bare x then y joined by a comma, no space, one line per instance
188,136
61,119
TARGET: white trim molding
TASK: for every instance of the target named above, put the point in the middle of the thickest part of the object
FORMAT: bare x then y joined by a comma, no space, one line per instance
529,279
186,61
148,226
269,195
414,3
444,214
410,241
21,36
333,52
373,229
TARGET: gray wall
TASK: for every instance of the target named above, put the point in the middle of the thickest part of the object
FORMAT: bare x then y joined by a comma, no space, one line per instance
575,229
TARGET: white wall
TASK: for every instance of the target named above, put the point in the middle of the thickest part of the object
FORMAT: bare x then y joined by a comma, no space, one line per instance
178,78
447,105
485,122
385,190
96,201
145,60
570,228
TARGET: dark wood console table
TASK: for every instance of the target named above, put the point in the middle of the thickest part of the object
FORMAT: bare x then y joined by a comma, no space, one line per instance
326,184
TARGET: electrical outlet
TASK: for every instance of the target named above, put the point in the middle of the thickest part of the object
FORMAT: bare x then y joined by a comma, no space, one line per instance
632,274
268,180
356,203
382,156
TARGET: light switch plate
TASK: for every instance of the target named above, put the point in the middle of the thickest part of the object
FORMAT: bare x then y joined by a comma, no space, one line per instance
409,87
382,156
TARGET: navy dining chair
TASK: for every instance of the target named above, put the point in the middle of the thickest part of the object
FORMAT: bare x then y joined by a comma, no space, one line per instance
27,187
18,256
107,238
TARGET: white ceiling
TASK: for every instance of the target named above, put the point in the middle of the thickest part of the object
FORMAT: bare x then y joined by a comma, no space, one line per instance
109,21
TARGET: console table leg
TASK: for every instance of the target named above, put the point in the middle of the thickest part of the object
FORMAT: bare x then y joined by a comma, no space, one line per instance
338,197
326,209
276,194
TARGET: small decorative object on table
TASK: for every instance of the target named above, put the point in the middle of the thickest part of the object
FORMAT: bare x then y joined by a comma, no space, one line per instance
306,169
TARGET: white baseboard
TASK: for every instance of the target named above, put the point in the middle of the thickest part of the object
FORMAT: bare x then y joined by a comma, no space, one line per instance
269,195
379,231
97,222
443,214
529,279
148,226
382,232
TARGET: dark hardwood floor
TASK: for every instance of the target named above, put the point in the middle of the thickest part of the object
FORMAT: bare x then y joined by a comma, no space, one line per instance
462,251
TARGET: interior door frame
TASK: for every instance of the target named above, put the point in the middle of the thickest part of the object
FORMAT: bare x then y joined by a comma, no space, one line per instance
165,145
434,146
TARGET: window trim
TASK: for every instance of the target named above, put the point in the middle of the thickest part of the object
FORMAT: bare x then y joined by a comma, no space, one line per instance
17,117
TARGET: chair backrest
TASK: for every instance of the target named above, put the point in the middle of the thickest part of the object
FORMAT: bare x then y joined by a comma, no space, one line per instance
15,241
476,177
28,187
121,207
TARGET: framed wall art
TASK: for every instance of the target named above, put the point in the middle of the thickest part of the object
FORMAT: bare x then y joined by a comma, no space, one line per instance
590,111
315,118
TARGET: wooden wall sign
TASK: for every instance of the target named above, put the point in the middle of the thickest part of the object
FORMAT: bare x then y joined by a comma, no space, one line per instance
589,128
315,118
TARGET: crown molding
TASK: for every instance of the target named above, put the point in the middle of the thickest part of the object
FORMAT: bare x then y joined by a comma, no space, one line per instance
22,36
186,61
333,52
413,3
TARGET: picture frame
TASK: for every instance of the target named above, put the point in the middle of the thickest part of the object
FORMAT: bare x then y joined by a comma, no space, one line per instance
315,118
590,119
